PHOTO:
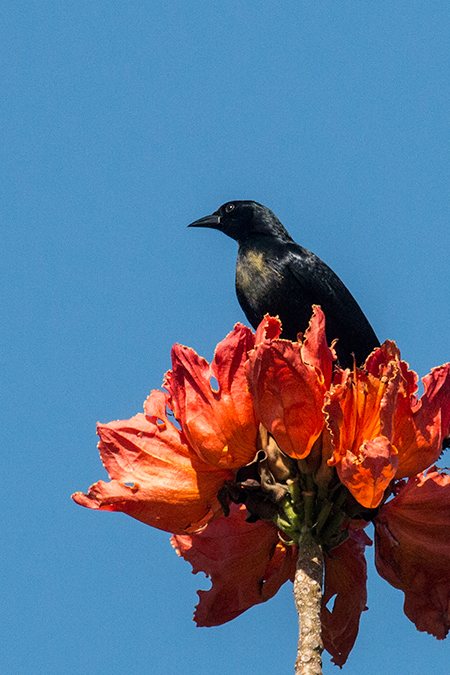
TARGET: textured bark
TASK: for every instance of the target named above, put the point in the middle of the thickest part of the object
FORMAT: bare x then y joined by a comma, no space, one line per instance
308,599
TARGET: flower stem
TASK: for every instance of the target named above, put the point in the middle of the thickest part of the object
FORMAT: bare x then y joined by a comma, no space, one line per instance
308,599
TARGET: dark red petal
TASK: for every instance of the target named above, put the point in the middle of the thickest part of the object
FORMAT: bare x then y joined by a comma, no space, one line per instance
246,563
345,578
412,549
268,329
377,362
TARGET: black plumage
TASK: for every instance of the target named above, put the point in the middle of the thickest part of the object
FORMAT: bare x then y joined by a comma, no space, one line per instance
275,275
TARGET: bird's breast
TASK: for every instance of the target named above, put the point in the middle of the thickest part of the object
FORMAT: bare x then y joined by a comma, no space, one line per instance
254,275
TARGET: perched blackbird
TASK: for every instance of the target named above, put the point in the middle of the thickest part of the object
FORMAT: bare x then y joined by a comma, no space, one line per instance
275,275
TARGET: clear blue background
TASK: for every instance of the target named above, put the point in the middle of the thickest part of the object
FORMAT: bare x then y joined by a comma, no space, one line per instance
121,123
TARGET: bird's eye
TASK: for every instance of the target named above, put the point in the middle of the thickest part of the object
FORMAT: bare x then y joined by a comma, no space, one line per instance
229,208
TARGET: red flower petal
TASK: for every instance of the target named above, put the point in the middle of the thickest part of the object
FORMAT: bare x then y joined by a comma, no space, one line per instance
246,562
359,413
288,381
315,349
419,426
157,478
268,329
368,474
345,577
220,425
412,549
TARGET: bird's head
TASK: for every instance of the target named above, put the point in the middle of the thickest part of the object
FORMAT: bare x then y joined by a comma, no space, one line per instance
242,219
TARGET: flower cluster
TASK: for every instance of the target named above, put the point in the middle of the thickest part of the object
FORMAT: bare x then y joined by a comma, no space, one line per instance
287,440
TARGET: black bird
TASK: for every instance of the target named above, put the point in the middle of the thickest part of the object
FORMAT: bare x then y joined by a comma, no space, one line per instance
275,275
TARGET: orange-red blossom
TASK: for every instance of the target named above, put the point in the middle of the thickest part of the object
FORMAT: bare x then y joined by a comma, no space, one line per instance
364,429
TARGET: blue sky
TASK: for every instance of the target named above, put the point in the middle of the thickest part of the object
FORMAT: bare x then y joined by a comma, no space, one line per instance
121,123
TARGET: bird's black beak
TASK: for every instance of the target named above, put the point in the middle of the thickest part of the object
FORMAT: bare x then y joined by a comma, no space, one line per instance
212,221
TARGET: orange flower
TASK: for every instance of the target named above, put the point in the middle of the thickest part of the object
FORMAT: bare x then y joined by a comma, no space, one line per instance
170,478
339,443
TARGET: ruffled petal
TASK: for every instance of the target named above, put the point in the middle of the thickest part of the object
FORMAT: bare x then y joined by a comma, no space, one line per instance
288,381
419,426
246,563
368,474
412,549
268,329
219,424
315,350
345,578
156,477
359,413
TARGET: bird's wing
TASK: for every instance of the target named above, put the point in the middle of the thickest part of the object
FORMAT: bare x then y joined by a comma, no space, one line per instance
322,286
320,283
